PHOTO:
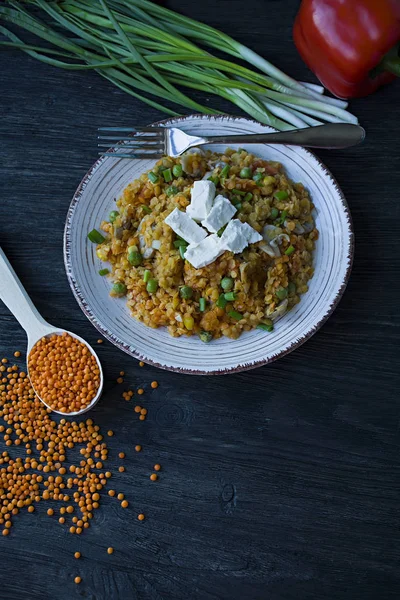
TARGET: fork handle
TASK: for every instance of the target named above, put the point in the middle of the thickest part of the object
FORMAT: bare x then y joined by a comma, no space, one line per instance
331,135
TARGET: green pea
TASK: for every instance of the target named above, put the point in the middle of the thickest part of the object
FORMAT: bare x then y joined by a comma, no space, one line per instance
248,197
152,286
230,296
202,304
186,292
246,173
281,293
274,213
205,336
221,302
227,283
103,272
119,288
258,177
281,195
135,258
113,215
177,170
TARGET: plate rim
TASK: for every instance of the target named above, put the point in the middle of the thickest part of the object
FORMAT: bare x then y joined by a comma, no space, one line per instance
125,347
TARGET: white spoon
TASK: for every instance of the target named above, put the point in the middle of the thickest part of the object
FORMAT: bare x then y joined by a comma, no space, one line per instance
15,297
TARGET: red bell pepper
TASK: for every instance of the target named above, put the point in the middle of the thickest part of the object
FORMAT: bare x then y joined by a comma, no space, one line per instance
351,45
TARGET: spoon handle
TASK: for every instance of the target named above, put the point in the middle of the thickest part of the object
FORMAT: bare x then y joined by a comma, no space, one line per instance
15,297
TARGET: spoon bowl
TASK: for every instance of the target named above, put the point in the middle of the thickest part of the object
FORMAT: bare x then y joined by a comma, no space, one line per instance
15,297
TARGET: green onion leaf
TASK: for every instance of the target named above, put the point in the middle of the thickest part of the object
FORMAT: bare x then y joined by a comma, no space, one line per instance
96,237
202,304
179,243
289,250
182,250
265,327
225,172
103,272
221,302
230,296
146,275
177,170
153,177
281,195
167,174
233,314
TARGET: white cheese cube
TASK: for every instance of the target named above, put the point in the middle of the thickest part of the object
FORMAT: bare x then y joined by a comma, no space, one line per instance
234,238
221,212
204,253
185,227
238,235
252,235
202,198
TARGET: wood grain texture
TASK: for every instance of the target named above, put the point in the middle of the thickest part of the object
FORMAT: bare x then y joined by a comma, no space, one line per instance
280,483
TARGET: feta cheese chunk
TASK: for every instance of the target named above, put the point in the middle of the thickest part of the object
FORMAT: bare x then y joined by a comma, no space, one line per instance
204,253
202,198
252,235
238,235
185,227
221,212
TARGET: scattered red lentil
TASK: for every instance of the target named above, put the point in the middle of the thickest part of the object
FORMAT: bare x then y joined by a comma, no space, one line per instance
64,372
121,454
120,380
121,469
17,354
143,411
111,492
50,512
142,417
100,341
140,391
78,579
110,550
154,384
157,467
138,448
154,477
141,364
122,373
141,517
110,433
124,504
121,496
77,554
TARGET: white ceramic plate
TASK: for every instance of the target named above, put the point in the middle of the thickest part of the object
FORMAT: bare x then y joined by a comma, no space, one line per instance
333,259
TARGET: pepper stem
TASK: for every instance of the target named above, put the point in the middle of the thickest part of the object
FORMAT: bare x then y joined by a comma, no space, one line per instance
391,64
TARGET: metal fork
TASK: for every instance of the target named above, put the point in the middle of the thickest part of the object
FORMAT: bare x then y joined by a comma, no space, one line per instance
155,142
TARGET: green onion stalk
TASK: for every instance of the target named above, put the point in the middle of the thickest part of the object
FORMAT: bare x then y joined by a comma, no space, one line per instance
154,54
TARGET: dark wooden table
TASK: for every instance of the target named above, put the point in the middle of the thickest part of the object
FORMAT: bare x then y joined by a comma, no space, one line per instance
280,483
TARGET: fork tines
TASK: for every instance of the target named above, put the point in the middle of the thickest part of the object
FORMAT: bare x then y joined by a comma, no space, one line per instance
145,142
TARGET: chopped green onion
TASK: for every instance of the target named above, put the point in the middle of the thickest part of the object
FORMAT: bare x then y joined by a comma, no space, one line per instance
202,304
274,213
205,336
281,195
230,296
103,272
240,192
119,288
291,288
167,174
215,180
225,172
113,215
281,293
146,208
258,177
221,231
282,217
246,173
237,205
227,283
182,250
179,243
265,327
221,302
186,292
153,177
152,286
96,237
233,314
248,197
135,258
146,276
177,170
171,190
289,250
